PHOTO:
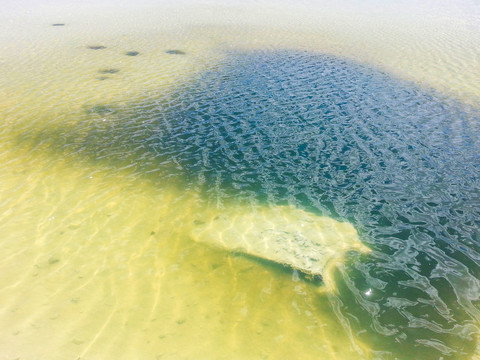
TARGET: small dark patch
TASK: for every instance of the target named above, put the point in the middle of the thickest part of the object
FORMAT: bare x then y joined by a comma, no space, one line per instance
58,24
101,110
152,233
132,53
102,78
96,47
198,222
175,52
53,260
314,279
109,71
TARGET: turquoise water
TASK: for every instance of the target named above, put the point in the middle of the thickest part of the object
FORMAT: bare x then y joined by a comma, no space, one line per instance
336,138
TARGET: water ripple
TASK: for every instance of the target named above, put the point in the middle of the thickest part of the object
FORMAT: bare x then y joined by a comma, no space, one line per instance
339,139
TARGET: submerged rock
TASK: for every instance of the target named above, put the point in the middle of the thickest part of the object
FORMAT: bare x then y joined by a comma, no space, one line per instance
132,53
282,234
96,47
109,71
175,52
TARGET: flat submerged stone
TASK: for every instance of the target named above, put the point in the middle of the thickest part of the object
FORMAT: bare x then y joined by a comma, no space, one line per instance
96,47
132,53
109,71
175,52
282,234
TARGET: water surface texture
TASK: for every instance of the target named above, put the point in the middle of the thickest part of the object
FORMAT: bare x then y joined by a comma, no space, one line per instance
337,139
105,182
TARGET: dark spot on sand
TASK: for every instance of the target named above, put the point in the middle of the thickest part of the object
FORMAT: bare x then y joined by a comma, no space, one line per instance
198,222
53,260
132,53
96,47
101,110
58,24
175,52
108,71
102,78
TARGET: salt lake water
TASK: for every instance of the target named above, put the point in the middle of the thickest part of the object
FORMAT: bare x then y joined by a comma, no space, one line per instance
128,126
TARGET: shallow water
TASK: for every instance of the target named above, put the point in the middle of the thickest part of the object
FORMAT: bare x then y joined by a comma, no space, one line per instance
104,180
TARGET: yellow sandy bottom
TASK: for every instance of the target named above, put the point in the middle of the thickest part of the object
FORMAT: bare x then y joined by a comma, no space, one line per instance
99,267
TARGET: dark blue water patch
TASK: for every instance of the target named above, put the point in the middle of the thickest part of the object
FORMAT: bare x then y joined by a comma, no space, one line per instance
340,139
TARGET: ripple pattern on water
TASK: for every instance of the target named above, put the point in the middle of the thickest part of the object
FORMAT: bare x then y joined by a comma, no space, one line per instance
338,139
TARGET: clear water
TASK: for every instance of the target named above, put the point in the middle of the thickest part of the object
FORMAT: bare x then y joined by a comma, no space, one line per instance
101,191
